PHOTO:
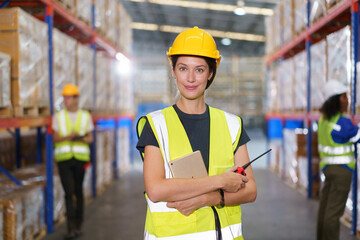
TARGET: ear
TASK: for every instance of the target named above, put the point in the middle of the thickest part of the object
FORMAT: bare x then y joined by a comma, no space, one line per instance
210,75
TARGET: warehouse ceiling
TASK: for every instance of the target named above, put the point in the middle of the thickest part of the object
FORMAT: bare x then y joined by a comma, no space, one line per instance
162,19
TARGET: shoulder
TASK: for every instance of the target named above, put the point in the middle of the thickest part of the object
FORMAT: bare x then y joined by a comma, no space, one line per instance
228,116
343,122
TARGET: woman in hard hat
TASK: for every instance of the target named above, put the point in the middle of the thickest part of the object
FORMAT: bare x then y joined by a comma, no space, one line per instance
336,138
194,208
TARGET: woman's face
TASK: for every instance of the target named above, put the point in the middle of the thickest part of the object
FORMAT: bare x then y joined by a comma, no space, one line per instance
192,74
344,102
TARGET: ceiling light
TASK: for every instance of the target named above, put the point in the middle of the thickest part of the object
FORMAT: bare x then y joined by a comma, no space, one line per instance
226,41
239,11
214,33
209,6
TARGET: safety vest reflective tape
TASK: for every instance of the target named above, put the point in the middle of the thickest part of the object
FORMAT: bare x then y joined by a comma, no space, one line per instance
338,160
66,150
336,150
167,223
330,151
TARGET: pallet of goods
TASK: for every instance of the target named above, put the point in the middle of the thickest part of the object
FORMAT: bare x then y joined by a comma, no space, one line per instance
24,38
5,91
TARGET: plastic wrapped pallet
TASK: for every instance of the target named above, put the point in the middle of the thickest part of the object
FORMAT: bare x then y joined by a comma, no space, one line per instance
285,78
300,15
290,161
84,75
64,57
100,16
111,20
102,82
5,80
23,212
339,56
83,10
124,38
278,27
269,34
318,73
7,151
288,20
318,9
24,38
273,91
87,184
300,86
123,134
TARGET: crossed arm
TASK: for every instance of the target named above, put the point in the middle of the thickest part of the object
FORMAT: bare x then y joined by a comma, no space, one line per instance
187,195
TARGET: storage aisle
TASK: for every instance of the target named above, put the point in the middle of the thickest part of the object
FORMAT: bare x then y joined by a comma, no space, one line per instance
280,212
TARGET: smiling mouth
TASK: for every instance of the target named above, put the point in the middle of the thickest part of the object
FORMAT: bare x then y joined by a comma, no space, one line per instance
190,87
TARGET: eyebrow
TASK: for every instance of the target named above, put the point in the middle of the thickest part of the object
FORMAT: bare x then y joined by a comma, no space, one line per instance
187,65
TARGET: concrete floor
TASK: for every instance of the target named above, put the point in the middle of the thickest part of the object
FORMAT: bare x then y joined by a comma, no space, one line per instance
280,212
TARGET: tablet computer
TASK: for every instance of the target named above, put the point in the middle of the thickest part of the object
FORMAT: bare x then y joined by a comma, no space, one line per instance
189,166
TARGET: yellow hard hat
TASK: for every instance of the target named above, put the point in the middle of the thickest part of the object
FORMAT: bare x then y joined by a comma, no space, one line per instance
197,42
70,90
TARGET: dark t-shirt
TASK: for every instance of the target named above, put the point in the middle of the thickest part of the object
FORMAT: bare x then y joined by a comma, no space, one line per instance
197,128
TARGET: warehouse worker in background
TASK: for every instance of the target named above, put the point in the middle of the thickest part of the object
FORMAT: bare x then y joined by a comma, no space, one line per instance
336,138
194,208
72,135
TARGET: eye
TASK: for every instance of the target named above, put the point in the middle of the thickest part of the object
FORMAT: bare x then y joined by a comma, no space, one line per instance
200,70
182,68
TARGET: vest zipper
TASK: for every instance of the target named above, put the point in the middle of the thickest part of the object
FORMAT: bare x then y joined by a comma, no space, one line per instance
217,224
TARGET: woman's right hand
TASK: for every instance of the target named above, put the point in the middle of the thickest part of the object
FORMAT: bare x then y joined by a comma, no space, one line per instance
231,181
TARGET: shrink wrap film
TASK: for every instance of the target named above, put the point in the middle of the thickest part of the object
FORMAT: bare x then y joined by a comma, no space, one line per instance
100,16
5,80
339,56
23,215
273,92
83,10
269,34
84,76
278,20
24,38
64,48
300,15
288,20
290,159
111,20
123,158
318,73
113,87
318,9
102,82
285,79
300,86
124,37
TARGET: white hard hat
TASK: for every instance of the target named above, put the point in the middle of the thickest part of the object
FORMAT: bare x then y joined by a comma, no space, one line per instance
334,87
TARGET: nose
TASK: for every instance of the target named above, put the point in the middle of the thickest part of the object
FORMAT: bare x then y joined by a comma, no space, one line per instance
191,77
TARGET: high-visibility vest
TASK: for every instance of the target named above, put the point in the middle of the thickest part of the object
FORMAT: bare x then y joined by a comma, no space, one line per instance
168,223
330,151
66,150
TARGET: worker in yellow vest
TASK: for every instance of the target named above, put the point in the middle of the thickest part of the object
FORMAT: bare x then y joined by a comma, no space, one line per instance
194,208
72,135
336,138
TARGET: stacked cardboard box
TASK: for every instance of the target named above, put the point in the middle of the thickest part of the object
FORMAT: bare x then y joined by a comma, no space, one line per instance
64,48
300,15
83,10
273,96
100,16
285,77
24,38
124,37
7,151
279,22
290,163
23,215
110,20
300,81
102,81
288,20
318,9
269,35
5,81
84,75
123,157
318,73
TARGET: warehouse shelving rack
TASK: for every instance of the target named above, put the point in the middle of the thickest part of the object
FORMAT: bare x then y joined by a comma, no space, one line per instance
345,12
57,16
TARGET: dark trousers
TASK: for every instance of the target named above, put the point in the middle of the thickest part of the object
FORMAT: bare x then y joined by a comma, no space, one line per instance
332,201
72,175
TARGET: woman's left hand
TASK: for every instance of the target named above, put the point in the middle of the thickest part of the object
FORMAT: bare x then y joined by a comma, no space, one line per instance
185,207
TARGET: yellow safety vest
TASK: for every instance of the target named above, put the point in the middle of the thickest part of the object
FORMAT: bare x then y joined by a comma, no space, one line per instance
67,150
331,152
168,223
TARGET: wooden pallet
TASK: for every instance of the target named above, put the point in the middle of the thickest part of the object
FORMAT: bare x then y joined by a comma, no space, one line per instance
6,112
33,111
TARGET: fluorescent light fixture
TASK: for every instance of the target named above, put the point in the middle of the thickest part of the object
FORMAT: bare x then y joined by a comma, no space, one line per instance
240,11
209,6
214,33
226,41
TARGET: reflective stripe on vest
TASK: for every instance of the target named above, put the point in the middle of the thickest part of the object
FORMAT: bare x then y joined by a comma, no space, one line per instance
167,223
338,160
336,150
66,150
